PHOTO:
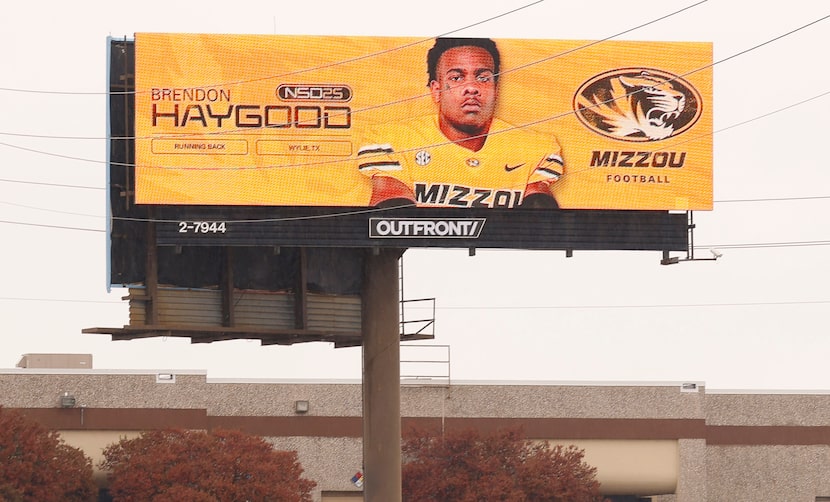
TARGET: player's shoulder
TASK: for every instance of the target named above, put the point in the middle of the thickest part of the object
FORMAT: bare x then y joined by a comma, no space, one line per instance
510,135
513,131
403,133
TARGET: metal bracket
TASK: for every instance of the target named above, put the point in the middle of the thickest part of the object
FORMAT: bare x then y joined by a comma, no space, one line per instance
690,250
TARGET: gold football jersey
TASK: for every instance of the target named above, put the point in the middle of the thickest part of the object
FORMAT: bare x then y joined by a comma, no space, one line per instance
442,173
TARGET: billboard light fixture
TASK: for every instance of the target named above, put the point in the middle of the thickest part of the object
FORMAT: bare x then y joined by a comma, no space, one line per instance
67,400
165,378
690,251
301,407
671,260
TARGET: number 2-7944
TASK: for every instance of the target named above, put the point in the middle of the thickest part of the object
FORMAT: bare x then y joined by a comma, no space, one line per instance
202,227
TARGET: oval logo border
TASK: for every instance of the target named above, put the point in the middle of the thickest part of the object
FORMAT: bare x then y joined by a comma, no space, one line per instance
600,91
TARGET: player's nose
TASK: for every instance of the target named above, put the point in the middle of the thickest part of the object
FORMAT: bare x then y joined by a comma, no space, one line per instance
471,86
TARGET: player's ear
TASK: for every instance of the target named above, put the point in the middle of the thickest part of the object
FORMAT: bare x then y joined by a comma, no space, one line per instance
435,90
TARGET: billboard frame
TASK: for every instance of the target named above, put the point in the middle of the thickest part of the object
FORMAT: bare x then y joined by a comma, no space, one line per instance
130,225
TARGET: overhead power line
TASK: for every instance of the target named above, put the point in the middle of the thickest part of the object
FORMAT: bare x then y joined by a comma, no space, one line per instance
757,245
59,300
61,185
57,211
747,121
395,102
51,226
720,61
339,214
634,306
520,307
330,65
773,199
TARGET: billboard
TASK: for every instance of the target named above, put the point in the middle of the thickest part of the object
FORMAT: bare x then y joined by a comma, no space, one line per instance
262,120
242,190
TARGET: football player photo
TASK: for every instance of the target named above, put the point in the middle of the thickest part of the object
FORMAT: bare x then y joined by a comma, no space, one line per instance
462,155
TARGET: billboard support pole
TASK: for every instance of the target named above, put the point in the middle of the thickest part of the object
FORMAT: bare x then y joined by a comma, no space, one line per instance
228,304
381,377
151,272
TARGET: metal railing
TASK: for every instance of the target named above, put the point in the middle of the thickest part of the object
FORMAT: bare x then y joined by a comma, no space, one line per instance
425,365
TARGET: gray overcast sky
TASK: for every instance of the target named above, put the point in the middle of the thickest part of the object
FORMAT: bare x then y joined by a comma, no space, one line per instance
755,319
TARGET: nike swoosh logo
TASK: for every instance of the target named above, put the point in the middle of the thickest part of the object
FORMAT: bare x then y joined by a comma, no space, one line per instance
512,168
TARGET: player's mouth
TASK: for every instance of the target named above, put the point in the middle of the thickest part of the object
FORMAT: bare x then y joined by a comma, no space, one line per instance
471,105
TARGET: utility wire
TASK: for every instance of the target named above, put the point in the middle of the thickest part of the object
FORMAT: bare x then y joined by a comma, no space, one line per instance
721,201
57,211
720,61
554,117
773,199
519,307
61,185
52,154
778,199
334,215
633,306
759,245
549,118
306,70
59,300
546,119
382,105
51,226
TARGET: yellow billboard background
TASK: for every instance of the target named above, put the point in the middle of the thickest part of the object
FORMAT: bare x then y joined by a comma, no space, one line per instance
202,103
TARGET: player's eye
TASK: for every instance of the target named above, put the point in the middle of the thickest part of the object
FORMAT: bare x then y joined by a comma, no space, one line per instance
484,77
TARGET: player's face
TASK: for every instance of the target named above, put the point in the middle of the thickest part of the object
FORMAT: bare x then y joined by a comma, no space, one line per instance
465,91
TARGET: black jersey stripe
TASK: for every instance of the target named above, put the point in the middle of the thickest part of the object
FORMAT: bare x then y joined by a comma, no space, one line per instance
383,165
374,149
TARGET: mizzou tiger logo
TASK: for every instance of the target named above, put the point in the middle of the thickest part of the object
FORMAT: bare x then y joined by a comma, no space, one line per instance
637,104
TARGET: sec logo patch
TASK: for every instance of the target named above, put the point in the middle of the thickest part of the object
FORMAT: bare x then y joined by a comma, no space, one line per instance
422,158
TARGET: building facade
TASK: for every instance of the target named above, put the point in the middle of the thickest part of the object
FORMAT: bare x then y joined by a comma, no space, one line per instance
663,442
